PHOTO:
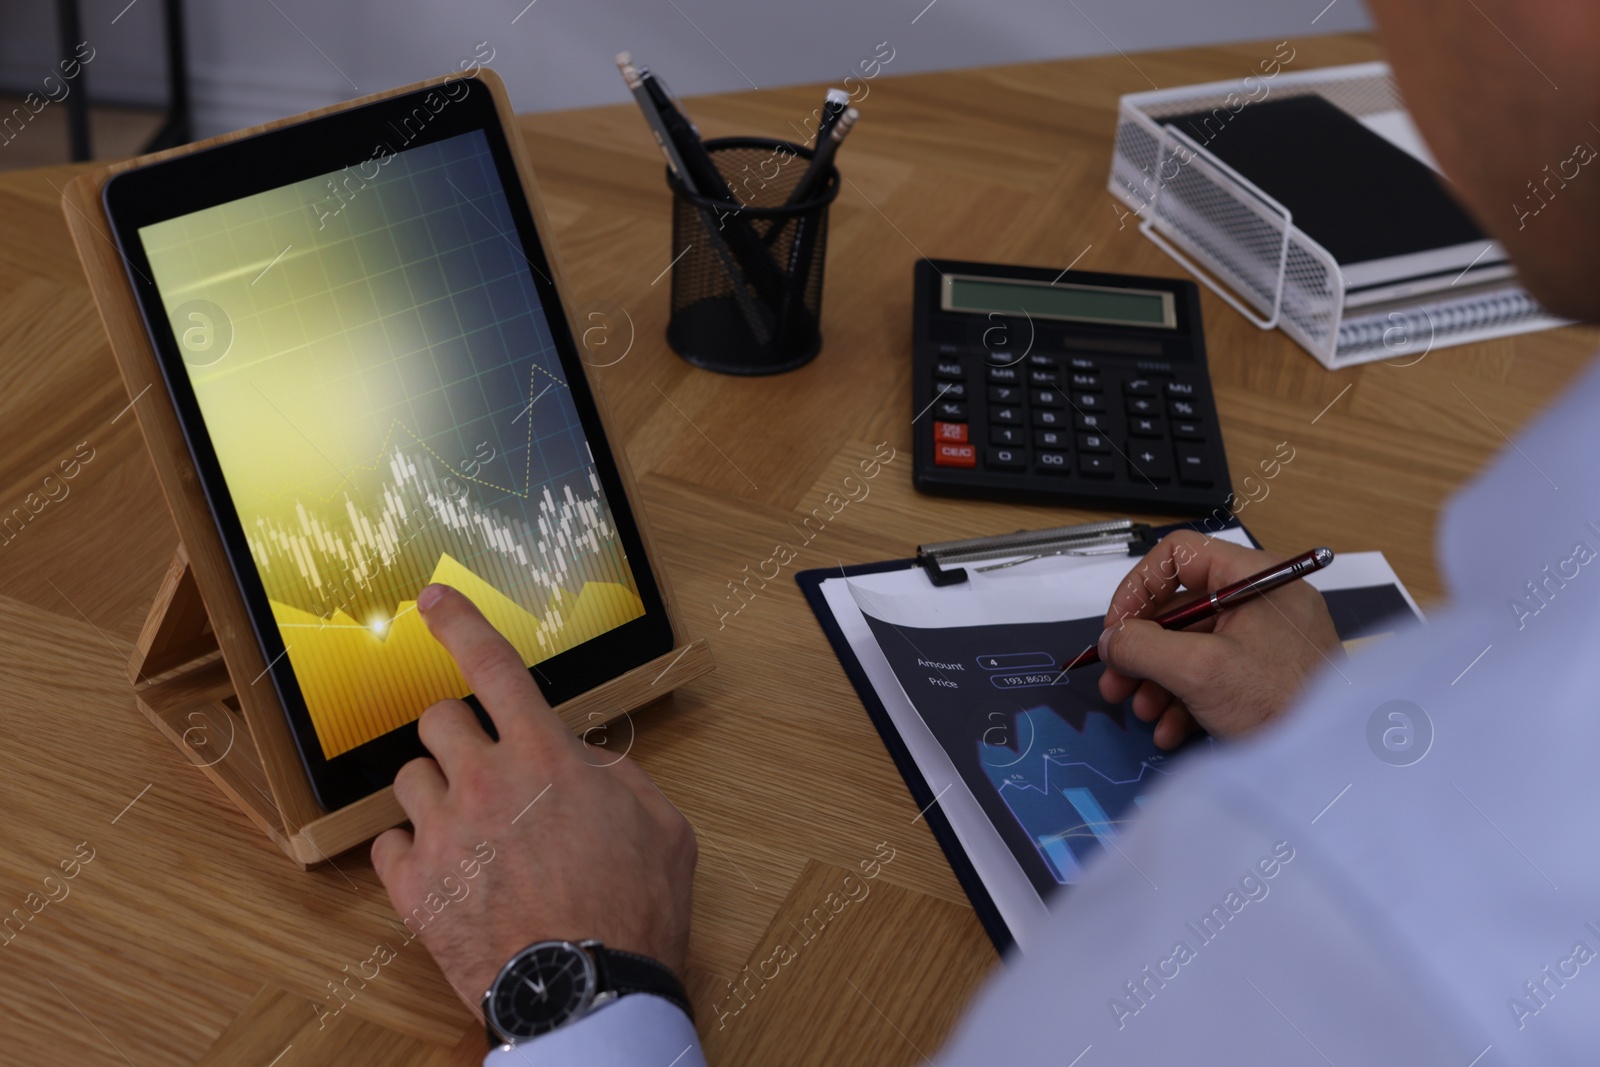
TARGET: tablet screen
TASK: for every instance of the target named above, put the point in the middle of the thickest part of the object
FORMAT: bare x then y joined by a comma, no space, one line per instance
378,379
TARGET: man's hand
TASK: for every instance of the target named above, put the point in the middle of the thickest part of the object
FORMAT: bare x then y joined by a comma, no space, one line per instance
1231,673
563,842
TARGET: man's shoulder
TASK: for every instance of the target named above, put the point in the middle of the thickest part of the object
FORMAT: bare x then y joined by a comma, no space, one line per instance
1444,785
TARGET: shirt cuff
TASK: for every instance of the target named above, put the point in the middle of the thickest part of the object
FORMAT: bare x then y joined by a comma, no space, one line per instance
637,1030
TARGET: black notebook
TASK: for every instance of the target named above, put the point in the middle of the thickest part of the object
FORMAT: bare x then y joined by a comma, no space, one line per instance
1381,212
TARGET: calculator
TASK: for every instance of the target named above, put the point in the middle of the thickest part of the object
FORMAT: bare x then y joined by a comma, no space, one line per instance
1063,387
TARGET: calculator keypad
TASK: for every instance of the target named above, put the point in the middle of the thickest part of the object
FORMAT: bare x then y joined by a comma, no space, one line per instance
1098,414
1071,417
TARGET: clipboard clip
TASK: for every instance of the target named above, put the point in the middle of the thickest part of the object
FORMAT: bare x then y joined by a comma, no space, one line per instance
1116,537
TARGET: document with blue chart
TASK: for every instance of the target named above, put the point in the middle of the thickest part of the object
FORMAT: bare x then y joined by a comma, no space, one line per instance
1057,768
1037,775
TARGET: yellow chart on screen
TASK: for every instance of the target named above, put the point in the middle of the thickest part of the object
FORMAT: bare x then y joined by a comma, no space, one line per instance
348,672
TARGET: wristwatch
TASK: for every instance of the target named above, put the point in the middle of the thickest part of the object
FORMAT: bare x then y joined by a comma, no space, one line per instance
551,983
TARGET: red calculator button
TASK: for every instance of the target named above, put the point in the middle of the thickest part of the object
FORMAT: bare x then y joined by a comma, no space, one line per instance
948,455
950,431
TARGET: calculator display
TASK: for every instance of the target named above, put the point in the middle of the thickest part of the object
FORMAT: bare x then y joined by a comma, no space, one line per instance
1073,303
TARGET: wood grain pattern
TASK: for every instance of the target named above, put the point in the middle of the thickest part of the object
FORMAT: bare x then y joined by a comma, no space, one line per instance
170,934
839,943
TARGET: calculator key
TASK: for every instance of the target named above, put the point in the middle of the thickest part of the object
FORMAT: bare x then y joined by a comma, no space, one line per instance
1094,465
948,349
1047,419
1089,422
1089,401
1005,376
1083,363
1139,387
950,431
949,370
1093,442
1051,463
1056,439
1006,459
1043,361
1047,398
1181,390
950,410
1008,435
1192,467
1149,461
1005,394
1184,409
946,454
1188,430
1151,426
1142,405
1006,416
1043,377
950,390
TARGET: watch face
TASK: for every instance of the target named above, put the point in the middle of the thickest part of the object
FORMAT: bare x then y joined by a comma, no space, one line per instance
541,988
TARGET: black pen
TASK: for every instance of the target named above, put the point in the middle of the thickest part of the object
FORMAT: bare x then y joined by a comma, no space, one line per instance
635,80
698,167
674,133
702,172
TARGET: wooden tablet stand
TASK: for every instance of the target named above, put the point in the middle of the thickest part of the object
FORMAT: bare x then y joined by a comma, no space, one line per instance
181,684
197,660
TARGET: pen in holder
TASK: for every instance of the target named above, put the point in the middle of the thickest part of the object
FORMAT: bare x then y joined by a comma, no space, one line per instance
747,283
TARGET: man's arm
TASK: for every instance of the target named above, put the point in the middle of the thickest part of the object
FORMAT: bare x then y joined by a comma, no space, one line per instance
535,837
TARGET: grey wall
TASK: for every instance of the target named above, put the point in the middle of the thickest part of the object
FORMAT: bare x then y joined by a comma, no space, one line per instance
254,60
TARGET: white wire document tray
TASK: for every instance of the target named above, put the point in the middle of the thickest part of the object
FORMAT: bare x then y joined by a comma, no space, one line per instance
1244,246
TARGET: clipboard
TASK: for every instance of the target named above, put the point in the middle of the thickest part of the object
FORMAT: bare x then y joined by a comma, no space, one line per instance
1089,539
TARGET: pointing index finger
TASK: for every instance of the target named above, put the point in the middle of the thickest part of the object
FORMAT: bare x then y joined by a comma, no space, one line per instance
492,667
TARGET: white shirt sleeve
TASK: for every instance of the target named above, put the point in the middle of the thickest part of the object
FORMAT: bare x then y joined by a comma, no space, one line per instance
638,1030
1218,935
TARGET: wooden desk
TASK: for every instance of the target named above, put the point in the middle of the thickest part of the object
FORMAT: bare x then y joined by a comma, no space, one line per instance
189,938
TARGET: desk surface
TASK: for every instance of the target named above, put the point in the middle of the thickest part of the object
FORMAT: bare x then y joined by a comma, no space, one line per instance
188,937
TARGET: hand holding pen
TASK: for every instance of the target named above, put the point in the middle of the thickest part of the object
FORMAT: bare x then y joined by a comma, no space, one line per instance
1234,671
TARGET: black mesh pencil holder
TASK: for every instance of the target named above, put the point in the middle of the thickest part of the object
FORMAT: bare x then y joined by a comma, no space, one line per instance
747,284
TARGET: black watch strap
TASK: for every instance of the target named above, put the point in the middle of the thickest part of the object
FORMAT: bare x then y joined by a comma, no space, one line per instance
622,973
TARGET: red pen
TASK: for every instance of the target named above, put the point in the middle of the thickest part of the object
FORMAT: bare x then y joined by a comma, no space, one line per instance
1228,596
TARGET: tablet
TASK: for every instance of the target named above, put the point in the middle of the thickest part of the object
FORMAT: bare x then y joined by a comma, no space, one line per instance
356,320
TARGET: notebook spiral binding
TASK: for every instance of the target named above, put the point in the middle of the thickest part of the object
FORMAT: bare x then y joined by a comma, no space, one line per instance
1409,328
